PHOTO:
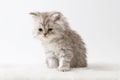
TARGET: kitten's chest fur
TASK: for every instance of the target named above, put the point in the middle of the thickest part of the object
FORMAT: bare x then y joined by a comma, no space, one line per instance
51,47
57,45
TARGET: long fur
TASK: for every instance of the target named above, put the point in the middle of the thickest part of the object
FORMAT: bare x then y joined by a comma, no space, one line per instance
64,47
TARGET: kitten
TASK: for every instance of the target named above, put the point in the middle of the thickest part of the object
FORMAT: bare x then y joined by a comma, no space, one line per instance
64,48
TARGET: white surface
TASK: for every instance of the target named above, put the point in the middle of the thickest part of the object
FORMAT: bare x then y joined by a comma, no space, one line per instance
37,72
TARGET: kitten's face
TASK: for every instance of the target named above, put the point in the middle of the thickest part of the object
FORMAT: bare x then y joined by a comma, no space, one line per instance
47,25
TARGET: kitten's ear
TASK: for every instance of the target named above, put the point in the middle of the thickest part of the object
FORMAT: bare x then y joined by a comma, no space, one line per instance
34,13
55,16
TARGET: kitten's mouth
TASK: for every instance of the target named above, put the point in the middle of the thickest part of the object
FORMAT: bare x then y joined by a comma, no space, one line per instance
45,36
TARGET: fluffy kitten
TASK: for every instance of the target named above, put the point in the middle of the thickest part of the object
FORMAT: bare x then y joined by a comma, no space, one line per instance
64,47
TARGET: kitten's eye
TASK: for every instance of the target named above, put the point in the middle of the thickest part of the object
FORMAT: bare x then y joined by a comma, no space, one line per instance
50,29
40,29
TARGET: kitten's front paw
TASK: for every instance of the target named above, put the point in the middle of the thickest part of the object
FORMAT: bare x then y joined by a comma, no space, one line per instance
63,69
52,63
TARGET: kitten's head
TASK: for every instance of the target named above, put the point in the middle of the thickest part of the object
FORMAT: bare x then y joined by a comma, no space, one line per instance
48,25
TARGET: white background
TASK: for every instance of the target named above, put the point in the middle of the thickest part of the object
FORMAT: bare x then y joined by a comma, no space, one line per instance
97,21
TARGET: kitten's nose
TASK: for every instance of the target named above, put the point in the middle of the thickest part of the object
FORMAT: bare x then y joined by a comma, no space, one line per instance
45,34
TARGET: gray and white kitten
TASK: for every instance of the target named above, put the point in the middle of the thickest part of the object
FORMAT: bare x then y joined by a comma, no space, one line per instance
64,47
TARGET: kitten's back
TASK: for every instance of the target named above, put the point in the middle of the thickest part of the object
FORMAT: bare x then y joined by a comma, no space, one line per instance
79,59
